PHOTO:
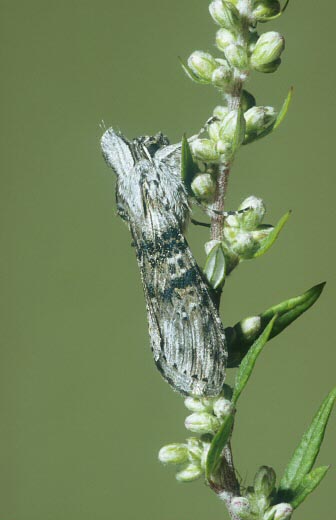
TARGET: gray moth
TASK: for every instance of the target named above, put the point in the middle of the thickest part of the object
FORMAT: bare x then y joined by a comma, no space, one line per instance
186,332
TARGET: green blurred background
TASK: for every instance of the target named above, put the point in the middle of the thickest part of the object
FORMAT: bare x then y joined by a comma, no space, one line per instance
83,410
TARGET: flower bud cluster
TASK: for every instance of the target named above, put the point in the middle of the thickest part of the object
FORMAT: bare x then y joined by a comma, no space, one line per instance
224,131
206,419
244,233
258,499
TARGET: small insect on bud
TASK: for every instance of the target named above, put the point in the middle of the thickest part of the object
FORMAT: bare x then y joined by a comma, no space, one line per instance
222,76
264,481
222,407
174,454
189,473
258,119
204,187
204,150
250,327
202,65
240,506
264,9
268,48
198,405
237,56
202,423
225,14
224,38
220,112
281,511
254,214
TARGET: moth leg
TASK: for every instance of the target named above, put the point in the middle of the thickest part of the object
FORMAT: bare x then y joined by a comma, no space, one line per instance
198,223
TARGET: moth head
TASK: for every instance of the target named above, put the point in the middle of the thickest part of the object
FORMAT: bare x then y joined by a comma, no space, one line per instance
153,143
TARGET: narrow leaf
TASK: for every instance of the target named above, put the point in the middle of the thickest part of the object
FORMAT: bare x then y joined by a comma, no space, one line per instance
191,74
308,449
214,268
277,122
188,167
217,445
287,311
273,235
284,109
308,484
247,365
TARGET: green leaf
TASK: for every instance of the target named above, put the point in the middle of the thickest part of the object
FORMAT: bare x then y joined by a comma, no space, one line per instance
269,18
273,235
217,445
308,484
284,109
287,311
247,365
222,436
188,167
191,75
277,122
305,454
214,268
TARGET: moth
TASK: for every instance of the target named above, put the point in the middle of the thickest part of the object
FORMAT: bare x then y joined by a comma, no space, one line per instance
186,333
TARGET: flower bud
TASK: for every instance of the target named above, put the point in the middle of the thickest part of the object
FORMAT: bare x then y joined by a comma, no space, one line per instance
208,246
228,125
198,405
222,76
250,327
225,14
174,454
281,511
224,148
204,150
244,245
264,481
189,473
222,407
240,506
204,187
268,49
247,101
213,130
252,217
202,65
264,9
258,119
237,56
268,68
224,38
220,112
202,423
195,448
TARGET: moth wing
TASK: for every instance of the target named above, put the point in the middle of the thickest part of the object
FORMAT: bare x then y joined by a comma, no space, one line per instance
116,151
186,332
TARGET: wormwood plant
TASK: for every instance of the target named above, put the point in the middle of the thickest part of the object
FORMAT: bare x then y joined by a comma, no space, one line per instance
206,166
206,162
